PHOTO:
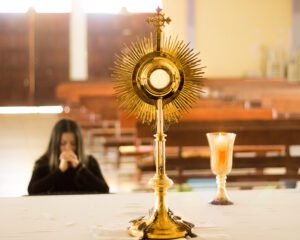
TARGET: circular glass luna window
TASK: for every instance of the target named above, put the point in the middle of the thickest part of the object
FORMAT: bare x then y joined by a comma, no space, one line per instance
158,75
159,79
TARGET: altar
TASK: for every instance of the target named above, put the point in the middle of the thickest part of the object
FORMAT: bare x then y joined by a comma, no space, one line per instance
256,214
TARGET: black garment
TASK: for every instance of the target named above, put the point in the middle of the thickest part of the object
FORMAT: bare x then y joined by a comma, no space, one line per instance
82,179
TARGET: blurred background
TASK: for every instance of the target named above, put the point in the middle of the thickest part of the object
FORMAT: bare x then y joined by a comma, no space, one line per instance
60,54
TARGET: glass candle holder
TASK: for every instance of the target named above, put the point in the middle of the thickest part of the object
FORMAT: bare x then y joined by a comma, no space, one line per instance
221,151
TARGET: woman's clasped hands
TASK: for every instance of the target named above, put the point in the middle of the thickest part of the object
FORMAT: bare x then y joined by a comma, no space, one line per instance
68,159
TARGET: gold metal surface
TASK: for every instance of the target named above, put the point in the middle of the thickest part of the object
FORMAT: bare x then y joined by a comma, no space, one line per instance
161,222
136,63
157,81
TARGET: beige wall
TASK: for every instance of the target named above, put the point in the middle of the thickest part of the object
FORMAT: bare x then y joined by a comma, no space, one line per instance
177,11
232,35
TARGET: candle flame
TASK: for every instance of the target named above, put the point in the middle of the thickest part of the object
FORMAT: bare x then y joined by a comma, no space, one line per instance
219,136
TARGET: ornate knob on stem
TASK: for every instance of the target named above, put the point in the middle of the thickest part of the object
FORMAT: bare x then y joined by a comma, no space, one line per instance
222,197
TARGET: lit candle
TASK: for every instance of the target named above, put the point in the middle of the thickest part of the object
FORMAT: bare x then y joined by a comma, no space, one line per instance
222,150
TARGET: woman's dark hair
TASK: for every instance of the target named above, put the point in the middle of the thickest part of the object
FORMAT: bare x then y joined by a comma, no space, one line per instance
53,151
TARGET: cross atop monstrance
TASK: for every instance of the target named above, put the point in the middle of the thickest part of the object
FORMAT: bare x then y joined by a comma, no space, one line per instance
158,21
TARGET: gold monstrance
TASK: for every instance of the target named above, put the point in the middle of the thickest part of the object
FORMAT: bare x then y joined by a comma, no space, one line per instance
157,79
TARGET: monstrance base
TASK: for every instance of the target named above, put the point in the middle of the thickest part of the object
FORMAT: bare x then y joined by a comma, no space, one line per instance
161,226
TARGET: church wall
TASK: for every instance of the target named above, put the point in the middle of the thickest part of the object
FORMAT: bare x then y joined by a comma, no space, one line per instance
235,37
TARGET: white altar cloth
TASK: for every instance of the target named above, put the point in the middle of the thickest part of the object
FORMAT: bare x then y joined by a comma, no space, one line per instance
256,215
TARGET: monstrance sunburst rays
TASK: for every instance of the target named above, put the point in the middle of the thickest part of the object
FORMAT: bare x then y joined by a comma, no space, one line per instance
185,60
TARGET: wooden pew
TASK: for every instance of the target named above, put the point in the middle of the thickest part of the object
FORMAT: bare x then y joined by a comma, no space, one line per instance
275,93
269,141
212,102
287,106
71,92
229,113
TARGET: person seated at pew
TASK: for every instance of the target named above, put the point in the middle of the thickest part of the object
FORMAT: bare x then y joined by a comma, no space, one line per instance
63,168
